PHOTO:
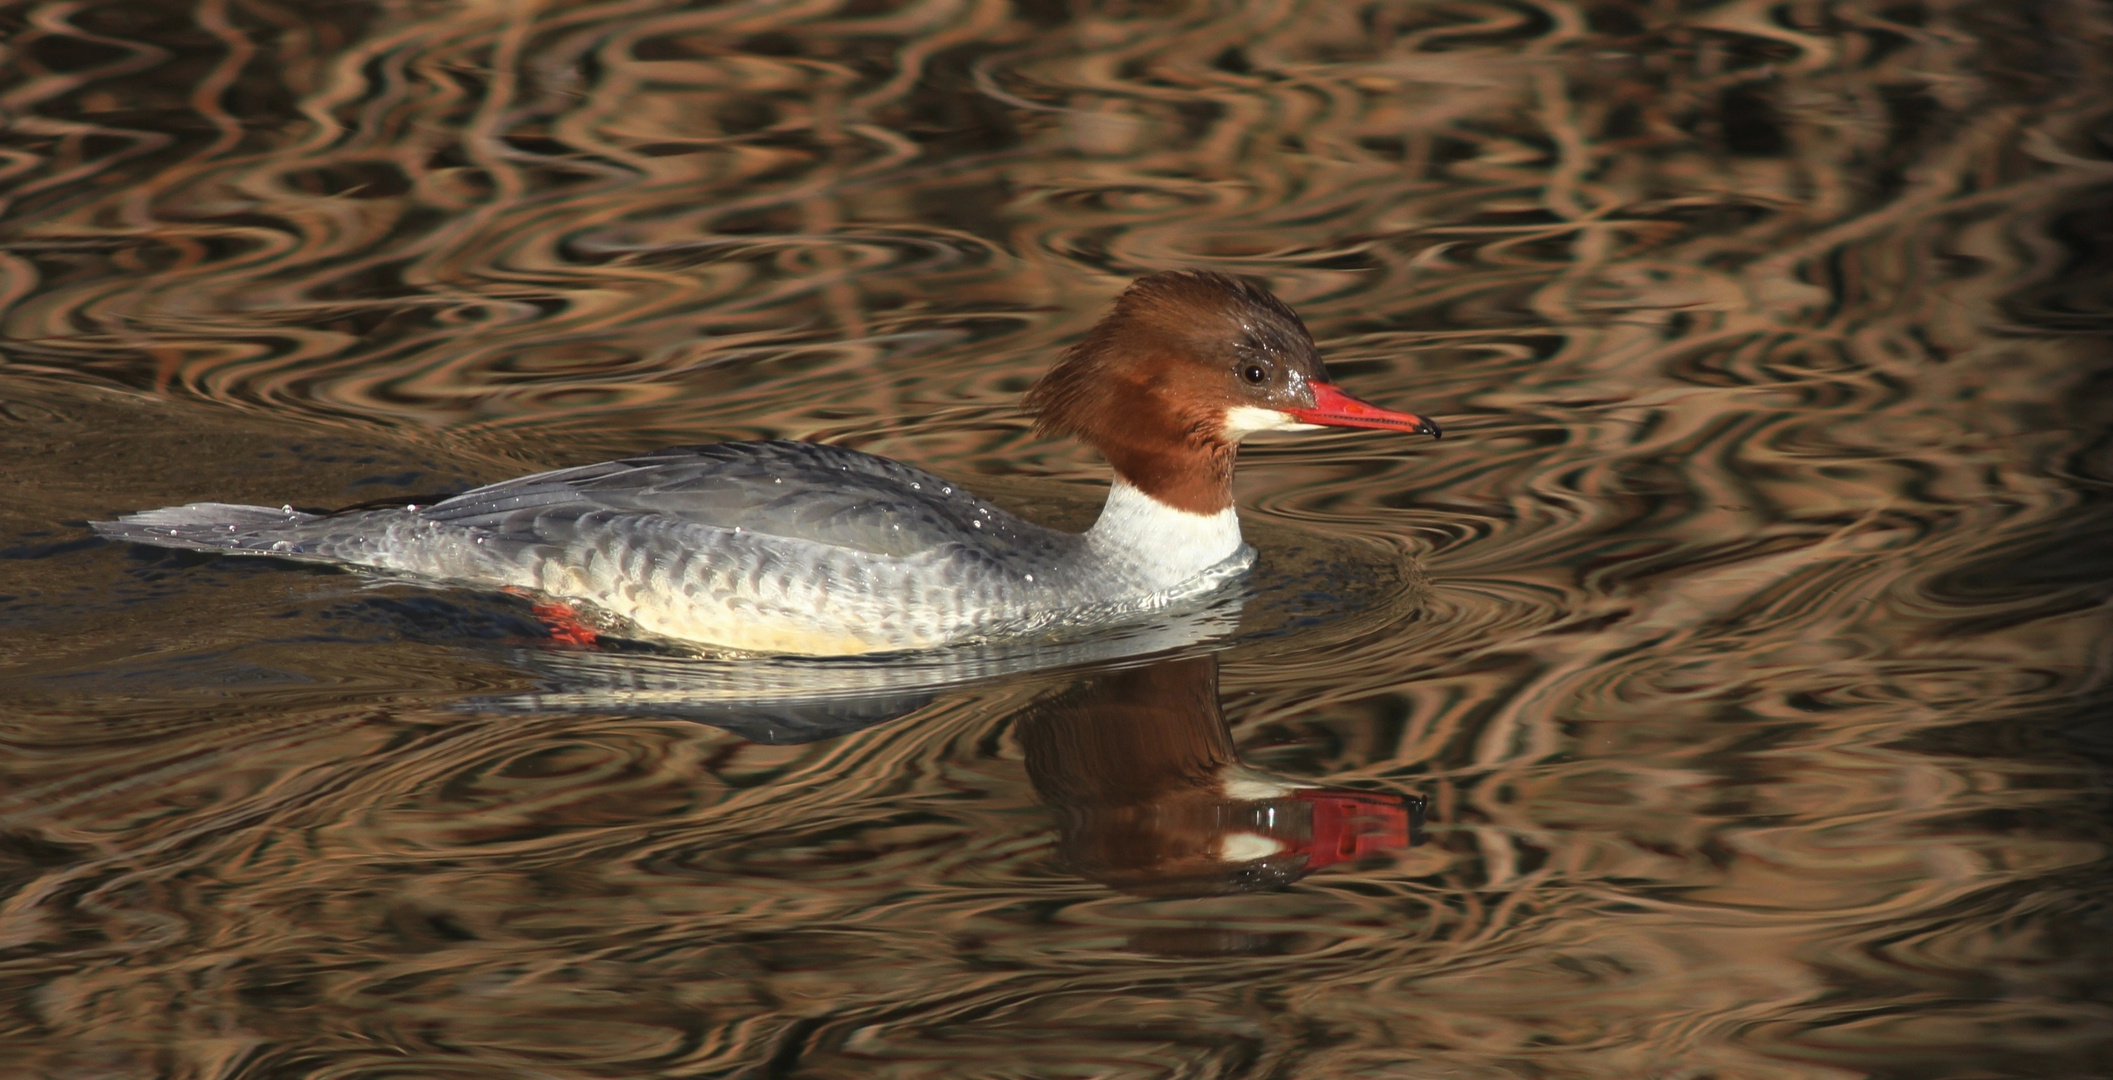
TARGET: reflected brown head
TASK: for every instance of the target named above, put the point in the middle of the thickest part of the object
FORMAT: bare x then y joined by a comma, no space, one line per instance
1165,384
1130,762
1133,762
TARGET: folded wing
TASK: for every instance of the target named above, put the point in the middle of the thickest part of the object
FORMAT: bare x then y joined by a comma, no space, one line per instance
801,491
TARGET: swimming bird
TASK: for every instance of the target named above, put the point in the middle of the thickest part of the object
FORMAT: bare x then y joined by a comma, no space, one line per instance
806,548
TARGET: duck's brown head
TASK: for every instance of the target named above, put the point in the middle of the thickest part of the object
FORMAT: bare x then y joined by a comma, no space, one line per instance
1186,364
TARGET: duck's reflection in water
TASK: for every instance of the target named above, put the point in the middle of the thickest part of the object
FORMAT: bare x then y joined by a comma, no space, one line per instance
1138,766
1135,761
785,700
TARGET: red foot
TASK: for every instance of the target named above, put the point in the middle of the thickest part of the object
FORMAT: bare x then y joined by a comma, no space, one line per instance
564,622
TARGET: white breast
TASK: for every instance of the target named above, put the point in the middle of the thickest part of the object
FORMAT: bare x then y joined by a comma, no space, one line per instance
1162,546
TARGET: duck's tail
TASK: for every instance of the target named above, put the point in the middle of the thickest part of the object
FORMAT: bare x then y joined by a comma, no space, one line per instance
222,527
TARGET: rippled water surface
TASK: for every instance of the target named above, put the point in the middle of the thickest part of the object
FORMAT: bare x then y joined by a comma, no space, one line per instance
1740,659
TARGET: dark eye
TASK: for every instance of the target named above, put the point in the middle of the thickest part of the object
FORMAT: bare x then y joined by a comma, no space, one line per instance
1255,373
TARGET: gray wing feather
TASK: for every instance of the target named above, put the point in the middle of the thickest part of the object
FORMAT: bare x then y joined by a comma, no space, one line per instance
801,491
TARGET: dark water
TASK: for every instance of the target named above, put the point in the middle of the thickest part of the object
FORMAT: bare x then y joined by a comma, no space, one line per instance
1748,635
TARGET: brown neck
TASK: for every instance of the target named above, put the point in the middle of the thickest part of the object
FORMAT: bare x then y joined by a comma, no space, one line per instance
1186,473
1165,446
1131,736
1139,405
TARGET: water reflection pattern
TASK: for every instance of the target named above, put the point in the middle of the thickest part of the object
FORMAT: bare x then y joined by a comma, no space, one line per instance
1151,796
1758,692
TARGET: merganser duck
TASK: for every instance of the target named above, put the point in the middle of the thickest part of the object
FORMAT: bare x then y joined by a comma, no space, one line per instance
803,548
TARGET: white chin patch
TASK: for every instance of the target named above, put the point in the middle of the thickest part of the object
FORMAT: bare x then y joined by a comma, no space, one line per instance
1243,420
